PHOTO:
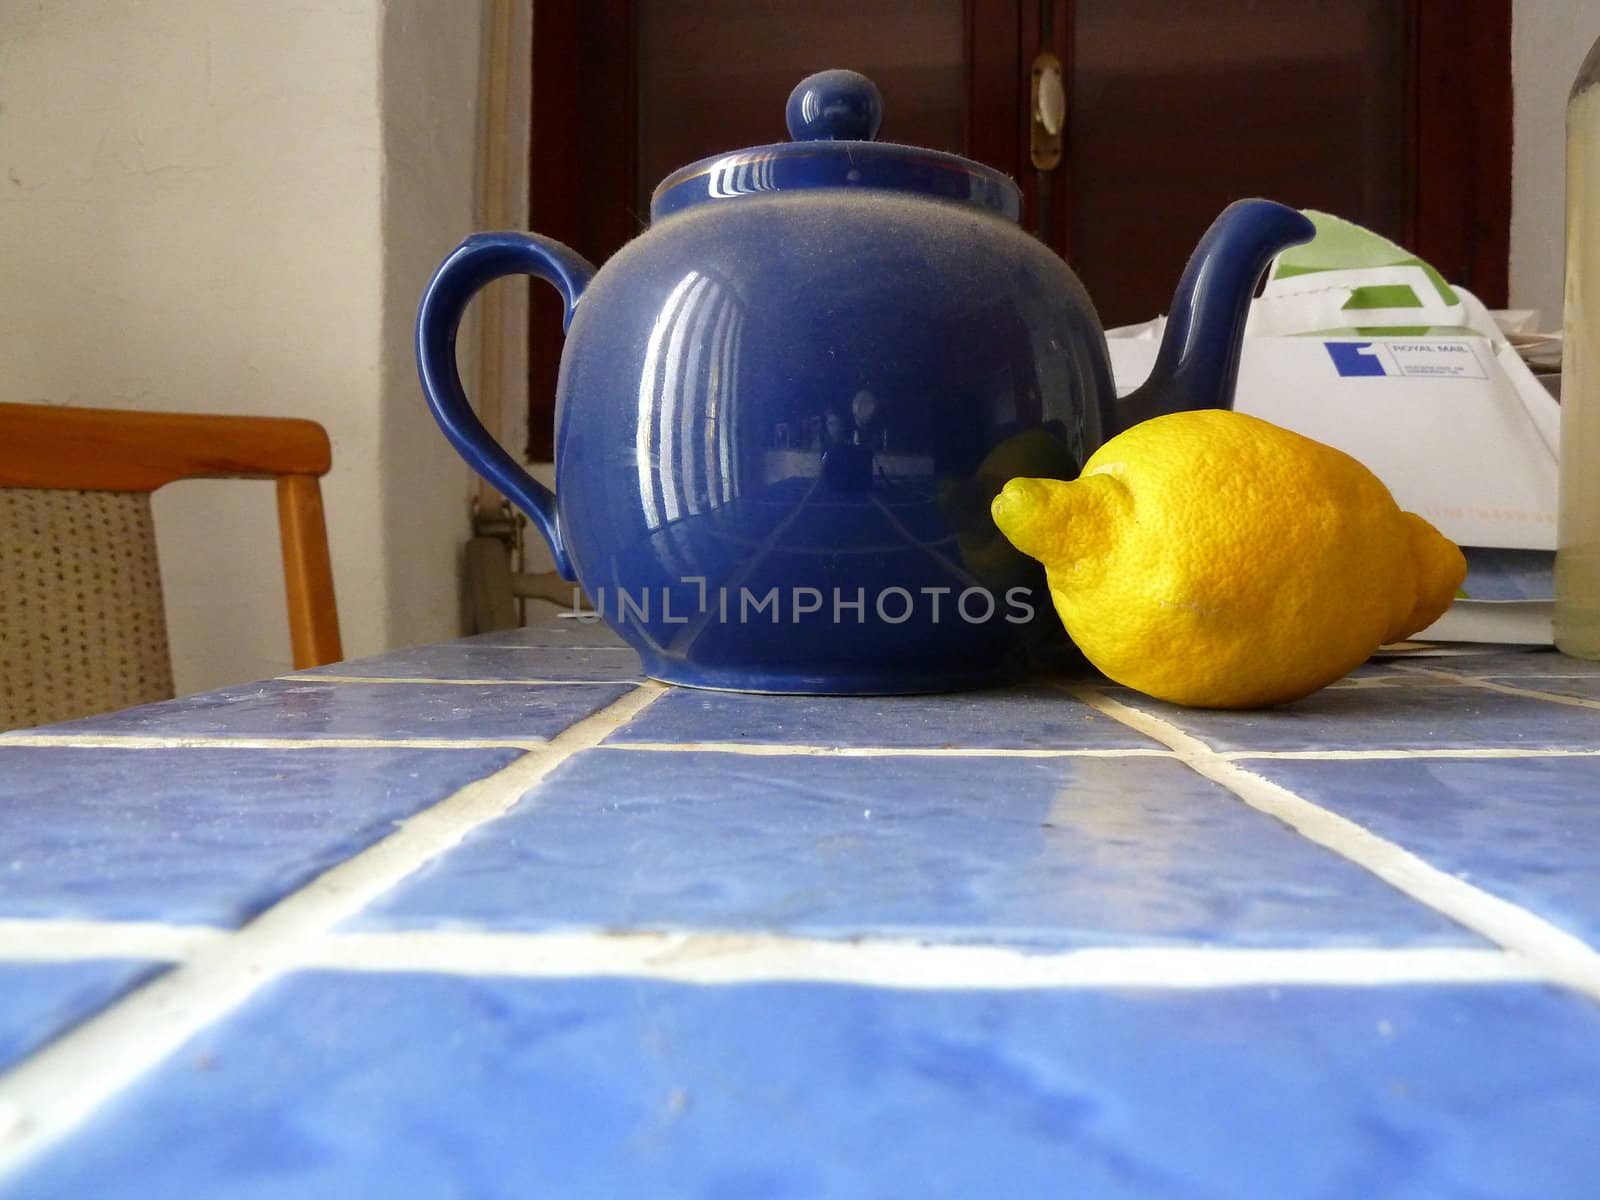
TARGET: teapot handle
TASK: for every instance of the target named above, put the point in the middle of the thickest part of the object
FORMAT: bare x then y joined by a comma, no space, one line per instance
480,259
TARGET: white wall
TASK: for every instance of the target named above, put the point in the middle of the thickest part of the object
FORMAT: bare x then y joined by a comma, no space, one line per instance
1549,39
429,84
232,206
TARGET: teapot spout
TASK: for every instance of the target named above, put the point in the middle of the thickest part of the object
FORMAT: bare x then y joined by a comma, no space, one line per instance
1199,357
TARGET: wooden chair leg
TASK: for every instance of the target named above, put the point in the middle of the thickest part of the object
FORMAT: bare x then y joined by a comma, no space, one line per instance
307,572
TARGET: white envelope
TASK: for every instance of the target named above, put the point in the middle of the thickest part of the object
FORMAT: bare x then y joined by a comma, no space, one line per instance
1454,423
1456,426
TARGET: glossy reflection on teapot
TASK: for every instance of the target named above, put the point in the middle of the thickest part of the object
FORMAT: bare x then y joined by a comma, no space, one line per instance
783,409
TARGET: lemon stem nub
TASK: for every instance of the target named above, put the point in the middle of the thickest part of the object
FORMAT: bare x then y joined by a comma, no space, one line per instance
1053,520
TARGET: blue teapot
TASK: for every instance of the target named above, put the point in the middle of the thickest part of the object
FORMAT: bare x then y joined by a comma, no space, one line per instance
784,408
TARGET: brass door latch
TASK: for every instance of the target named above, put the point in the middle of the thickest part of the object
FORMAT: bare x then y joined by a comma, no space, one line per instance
1049,108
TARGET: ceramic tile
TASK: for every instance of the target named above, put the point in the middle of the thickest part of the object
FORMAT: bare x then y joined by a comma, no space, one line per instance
1468,658
556,632
1461,659
1583,686
1383,718
40,1001
1031,852
306,709
1527,661
1037,717
208,835
1375,667
1527,830
334,1086
465,660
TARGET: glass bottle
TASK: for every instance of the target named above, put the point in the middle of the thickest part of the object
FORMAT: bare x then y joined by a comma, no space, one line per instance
1577,610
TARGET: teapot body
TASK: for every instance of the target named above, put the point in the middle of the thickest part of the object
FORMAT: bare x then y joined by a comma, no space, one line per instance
784,410
779,425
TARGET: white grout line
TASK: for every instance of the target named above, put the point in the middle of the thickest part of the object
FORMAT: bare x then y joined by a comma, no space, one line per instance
222,741
715,957
51,1092
1504,689
1511,673
524,647
1402,753
52,940
132,741
591,626
723,957
530,682
1386,683
1559,955
785,749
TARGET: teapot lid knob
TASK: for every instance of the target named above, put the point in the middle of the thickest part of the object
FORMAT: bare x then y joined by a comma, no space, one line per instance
840,106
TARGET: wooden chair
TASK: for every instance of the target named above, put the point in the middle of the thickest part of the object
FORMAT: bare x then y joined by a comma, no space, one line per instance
82,627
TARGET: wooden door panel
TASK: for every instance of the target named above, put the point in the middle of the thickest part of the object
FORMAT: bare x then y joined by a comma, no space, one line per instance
1394,113
1461,142
1179,109
714,74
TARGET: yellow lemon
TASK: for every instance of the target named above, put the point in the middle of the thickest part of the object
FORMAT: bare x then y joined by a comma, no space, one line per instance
1213,559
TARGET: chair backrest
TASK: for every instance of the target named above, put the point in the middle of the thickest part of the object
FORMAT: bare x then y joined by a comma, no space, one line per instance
81,623
82,628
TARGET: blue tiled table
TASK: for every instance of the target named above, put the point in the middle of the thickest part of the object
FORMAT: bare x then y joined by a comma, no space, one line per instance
500,918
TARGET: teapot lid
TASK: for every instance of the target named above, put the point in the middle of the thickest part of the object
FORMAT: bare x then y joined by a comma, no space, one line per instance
833,117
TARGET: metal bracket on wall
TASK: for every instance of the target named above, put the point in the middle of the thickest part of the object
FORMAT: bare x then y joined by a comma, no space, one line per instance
492,603
494,590
502,522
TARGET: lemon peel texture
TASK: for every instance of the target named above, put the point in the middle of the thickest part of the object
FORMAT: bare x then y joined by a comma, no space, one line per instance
1213,559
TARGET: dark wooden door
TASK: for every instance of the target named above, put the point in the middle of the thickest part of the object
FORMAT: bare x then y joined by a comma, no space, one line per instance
1393,113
